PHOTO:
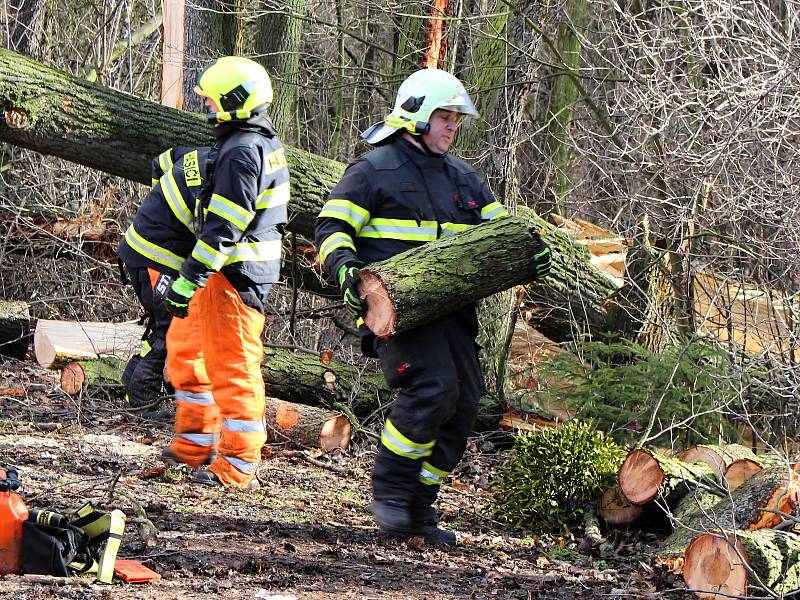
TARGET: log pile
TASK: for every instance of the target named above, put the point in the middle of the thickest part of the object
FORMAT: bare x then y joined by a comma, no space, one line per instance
734,516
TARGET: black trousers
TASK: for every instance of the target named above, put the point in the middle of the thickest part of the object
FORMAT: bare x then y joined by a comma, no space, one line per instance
144,373
437,369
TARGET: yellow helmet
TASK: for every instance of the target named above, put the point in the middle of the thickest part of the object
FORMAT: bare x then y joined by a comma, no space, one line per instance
237,85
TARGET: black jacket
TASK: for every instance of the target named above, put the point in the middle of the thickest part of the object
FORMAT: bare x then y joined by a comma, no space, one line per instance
239,224
162,233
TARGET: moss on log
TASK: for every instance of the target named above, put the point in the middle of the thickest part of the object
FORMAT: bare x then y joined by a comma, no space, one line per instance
735,564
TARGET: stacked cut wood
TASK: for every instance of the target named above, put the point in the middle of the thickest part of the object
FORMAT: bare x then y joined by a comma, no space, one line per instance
734,516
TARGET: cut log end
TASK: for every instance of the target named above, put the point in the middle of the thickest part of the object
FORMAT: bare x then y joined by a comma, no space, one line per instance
72,378
335,433
640,477
740,471
715,568
705,455
43,349
381,317
616,510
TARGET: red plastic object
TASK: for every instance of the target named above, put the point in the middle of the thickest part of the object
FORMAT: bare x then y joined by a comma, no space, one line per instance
132,571
13,513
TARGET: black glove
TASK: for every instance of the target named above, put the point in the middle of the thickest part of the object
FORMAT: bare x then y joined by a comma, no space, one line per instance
178,296
348,278
540,258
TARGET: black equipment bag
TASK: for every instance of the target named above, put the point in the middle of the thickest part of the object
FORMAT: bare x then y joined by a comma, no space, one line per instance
49,550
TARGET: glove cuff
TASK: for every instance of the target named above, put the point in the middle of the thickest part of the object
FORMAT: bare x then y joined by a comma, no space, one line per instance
184,287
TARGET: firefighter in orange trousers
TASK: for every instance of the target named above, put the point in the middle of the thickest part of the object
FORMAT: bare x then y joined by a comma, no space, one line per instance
214,347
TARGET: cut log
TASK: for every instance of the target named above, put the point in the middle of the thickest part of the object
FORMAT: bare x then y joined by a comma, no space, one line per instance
83,375
615,508
743,469
743,563
306,425
757,504
57,343
422,284
646,475
15,329
718,457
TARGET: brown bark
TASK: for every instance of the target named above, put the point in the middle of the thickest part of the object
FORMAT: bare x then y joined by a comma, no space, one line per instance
15,329
306,425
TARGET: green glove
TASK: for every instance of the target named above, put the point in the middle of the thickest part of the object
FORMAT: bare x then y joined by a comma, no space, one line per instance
348,280
178,296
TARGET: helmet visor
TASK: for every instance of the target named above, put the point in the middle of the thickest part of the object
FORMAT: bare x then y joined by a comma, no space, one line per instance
460,103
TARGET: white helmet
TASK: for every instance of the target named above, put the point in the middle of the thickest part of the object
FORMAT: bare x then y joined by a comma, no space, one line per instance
419,95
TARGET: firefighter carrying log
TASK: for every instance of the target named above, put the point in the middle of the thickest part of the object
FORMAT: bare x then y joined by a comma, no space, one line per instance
405,192
214,347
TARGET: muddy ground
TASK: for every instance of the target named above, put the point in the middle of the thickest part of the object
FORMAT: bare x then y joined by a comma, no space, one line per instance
304,535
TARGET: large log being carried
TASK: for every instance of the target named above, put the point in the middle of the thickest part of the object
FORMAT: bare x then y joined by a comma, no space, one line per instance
763,563
55,113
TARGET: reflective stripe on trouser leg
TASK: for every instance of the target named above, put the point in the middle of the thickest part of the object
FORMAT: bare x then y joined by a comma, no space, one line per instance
197,421
231,333
430,475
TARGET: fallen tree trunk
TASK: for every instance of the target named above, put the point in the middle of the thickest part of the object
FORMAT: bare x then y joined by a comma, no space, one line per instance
760,503
83,375
15,329
308,426
735,564
55,113
646,475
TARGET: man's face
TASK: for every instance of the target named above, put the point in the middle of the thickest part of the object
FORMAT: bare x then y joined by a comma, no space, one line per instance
444,124
210,105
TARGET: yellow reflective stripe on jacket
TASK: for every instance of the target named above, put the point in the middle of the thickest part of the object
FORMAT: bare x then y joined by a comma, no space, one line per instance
400,229
430,475
175,201
269,250
210,257
395,441
493,210
346,211
275,161
334,241
146,347
230,211
165,160
453,228
152,251
273,197
153,182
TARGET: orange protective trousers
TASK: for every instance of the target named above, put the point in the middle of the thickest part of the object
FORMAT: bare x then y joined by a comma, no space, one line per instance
214,363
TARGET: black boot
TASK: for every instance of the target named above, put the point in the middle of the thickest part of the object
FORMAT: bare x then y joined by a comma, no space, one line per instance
392,516
425,523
